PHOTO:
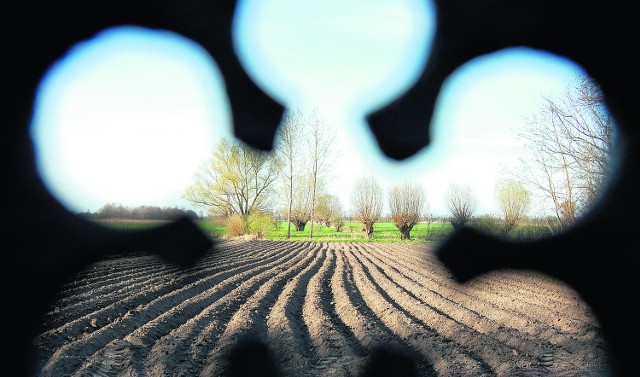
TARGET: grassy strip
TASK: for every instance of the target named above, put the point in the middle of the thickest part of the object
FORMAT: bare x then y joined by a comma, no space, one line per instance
351,232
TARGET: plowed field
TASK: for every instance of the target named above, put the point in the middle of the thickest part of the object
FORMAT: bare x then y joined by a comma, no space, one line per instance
322,308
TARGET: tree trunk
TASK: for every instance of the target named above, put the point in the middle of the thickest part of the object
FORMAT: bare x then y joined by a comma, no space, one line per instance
289,218
368,230
405,231
300,225
313,200
290,197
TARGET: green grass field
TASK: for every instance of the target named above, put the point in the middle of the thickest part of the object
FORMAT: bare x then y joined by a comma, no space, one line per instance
352,231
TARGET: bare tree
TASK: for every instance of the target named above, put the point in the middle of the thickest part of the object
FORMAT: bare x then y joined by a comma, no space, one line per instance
237,179
462,204
367,200
569,144
429,218
321,139
302,198
288,146
514,201
306,146
406,204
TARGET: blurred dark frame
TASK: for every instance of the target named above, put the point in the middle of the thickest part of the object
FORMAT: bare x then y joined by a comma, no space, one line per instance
45,243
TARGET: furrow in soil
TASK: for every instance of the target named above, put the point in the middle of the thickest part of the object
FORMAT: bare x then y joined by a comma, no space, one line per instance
447,356
251,322
156,306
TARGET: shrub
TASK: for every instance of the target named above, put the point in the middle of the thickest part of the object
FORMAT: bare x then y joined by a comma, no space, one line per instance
488,224
235,225
259,224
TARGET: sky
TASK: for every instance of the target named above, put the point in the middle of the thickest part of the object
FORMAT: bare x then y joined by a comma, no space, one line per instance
129,115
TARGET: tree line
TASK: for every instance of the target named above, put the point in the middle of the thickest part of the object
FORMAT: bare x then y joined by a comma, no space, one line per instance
565,165
143,212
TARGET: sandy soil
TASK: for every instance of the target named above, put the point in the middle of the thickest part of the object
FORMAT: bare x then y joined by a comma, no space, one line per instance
322,308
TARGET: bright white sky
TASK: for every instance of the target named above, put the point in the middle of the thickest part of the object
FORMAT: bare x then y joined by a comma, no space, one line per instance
130,115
